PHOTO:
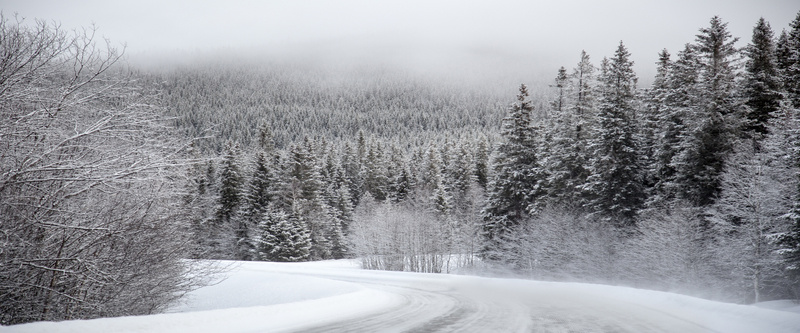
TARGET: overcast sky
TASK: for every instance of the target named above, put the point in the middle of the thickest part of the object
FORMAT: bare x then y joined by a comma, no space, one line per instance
538,34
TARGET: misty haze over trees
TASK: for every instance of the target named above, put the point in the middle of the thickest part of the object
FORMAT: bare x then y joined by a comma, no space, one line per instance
689,185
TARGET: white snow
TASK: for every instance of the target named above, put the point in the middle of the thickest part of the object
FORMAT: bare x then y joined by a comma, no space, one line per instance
269,297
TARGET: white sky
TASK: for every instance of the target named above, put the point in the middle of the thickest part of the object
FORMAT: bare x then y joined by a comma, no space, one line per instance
540,35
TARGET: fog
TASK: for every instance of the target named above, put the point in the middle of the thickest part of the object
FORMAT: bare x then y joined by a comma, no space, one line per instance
449,37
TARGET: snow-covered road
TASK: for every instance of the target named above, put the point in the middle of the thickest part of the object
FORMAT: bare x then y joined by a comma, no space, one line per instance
335,296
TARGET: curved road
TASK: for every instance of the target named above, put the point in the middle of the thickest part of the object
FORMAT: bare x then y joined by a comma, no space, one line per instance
470,304
336,297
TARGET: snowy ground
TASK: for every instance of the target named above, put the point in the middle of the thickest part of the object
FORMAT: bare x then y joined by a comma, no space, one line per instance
336,296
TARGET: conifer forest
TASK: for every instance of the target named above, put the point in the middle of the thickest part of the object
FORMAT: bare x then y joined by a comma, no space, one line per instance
114,178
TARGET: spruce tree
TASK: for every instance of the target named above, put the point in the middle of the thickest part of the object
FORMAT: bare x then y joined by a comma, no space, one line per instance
783,51
482,163
519,181
655,123
376,180
567,137
705,149
583,80
615,181
283,237
762,83
678,114
230,179
790,62
561,85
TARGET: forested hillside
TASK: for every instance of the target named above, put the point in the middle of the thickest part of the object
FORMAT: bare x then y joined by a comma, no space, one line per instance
688,185
228,101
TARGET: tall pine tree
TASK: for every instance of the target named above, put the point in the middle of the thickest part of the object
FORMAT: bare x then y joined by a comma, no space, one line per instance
519,181
615,183
762,82
704,151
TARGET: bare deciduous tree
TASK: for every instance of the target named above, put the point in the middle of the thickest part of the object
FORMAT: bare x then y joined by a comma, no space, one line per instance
90,218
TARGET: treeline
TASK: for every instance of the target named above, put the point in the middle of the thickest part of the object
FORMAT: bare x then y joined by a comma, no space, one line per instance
690,185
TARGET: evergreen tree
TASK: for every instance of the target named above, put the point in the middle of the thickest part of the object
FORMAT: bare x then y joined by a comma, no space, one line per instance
230,179
261,188
762,84
615,181
703,151
561,85
678,114
399,179
376,180
783,52
482,163
789,60
654,124
519,181
283,237
583,80
567,138
351,165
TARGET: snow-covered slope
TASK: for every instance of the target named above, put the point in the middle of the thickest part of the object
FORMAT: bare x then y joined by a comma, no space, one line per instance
337,296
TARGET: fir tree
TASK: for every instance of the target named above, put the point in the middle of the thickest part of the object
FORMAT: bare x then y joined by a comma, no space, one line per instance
783,52
374,170
518,182
230,185
561,85
615,183
583,90
654,121
482,163
261,188
282,237
789,60
762,85
703,151
678,114
566,155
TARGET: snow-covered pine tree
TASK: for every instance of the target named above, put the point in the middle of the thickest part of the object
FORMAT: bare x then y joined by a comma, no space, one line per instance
262,186
566,158
303,194
783,51
519,181
652,121
230,183
283,237
615,180
762,83
482,162
374,170
703,152
229,206
400,181
677,115
351,165
789,60
560,84
583,79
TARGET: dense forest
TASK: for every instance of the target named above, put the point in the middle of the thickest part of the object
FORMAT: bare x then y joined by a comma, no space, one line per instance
689,185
